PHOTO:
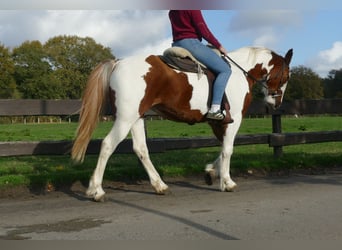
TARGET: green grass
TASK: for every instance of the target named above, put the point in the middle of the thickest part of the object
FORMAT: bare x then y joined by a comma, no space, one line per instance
59,170
159,128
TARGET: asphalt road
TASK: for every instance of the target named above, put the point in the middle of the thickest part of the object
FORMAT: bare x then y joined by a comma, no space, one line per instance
296,207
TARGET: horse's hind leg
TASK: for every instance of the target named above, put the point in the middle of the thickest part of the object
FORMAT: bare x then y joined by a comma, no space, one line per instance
118,132
140,148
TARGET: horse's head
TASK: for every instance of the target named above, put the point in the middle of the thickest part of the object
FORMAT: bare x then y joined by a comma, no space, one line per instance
275,80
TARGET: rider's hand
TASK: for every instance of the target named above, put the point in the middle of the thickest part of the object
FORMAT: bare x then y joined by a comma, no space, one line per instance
223,50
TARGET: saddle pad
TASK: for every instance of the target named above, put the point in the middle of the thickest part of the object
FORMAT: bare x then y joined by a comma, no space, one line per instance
181,53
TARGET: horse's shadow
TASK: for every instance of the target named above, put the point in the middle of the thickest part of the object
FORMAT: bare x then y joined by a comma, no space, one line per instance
142,188
110,187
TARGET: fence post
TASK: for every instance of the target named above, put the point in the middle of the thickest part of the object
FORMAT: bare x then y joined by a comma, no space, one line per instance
276,128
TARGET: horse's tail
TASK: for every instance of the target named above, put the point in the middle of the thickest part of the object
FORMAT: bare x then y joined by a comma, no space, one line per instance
93,100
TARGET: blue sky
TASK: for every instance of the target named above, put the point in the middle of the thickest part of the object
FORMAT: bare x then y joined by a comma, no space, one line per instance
313,33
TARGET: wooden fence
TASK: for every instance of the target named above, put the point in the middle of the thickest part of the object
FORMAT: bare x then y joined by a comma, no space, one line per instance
276,139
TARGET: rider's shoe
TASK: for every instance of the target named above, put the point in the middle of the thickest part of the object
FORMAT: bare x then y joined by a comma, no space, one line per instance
218,115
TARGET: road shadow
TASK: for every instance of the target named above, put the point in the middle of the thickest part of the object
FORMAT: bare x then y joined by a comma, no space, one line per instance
200,227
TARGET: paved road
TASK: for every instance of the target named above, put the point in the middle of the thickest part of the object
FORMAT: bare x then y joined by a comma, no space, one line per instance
297,207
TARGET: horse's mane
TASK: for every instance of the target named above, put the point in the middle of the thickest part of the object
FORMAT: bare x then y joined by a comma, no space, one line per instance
249,54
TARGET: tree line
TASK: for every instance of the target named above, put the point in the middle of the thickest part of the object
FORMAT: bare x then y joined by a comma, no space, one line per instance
304,83
59,68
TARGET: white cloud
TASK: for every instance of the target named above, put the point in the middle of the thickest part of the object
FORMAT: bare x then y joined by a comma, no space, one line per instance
156,48
266,40
327,60
123,31
333,55
264,28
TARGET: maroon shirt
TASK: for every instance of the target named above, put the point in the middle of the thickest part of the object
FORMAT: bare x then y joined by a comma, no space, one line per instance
190,24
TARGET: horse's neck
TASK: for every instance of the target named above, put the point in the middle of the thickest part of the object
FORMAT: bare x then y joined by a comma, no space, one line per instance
238,86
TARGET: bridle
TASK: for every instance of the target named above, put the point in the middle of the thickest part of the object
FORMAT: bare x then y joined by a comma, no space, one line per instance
261,81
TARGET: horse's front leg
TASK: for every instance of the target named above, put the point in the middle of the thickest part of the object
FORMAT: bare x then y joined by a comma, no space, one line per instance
221,166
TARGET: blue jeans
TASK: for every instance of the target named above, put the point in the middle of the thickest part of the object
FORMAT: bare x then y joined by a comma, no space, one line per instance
213,62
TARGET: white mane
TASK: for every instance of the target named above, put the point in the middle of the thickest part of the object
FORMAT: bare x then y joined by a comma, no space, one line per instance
247,57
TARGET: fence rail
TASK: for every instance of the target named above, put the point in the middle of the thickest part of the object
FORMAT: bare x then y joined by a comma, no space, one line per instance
276,139
27,107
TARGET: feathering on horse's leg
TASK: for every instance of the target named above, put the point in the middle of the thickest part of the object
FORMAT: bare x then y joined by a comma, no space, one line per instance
212,171
140,148
118,132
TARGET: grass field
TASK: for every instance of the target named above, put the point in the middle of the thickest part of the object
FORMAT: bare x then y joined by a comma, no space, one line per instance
59,170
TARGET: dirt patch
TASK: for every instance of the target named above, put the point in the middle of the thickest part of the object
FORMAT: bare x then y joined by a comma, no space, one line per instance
74,225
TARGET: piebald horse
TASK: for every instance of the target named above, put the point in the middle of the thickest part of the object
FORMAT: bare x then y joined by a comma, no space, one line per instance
139,83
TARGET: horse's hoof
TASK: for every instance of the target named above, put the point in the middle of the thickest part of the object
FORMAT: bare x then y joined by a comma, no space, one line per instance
160,188
96,195
228,186
100,198
164,192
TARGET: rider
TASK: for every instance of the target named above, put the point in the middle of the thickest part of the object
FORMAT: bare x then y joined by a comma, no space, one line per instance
188,29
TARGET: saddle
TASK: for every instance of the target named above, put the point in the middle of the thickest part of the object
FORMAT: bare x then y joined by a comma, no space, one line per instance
181,59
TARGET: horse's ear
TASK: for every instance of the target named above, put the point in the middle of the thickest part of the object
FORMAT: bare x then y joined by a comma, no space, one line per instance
288,56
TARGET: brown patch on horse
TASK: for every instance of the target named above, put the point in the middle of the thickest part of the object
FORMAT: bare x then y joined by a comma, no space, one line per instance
168,93
275,75
257,72
219,129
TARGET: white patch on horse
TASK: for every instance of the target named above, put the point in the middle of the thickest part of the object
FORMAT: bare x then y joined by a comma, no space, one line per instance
130,71
199,93
283,88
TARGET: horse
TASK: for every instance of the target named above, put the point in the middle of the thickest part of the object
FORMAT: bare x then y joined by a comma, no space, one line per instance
140,83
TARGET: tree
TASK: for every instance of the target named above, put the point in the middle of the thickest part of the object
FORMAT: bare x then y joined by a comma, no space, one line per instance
8,88
333,84
72,58
31,70
58,69
303,84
